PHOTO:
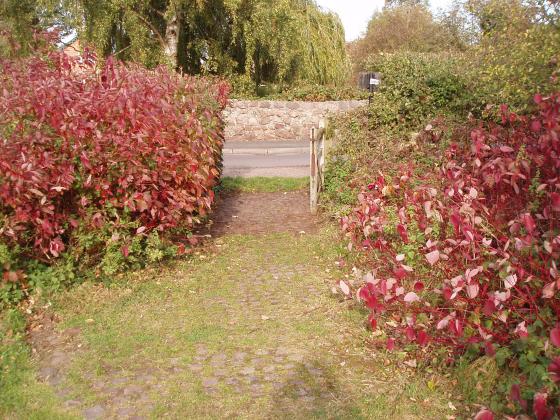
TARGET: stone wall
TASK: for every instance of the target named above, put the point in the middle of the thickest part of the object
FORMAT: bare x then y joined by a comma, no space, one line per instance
278,120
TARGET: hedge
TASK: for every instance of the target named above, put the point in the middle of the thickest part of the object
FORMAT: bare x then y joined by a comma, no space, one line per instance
98,157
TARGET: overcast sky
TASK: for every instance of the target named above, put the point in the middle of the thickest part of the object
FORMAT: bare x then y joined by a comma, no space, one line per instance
355,14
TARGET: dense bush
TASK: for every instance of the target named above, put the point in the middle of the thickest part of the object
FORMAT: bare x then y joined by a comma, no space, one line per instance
244,88
464,260
517,53
320,93
506,49
415,87
100,160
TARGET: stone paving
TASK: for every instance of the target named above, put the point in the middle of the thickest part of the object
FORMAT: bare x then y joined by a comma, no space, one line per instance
267,338
288,370
260,213
284,367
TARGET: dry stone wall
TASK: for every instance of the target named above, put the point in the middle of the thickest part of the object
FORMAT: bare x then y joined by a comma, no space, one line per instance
278,120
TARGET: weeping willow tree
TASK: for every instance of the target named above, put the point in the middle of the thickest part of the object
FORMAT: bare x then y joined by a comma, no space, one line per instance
278,41
289,40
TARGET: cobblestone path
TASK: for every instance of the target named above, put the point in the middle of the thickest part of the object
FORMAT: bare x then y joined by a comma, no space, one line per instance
247,328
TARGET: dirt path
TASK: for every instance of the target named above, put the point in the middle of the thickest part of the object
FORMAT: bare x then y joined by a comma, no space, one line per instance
249,328
258,213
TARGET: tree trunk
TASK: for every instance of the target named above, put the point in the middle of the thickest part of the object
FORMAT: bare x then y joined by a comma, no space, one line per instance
172,35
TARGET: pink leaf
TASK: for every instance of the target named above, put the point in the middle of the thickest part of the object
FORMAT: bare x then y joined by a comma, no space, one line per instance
433,257
403,233
431,244
400,273
484,334
510,281
555,200
484,414
528,222
97,220
344,287
540,407
411,297
407,268
443,323
538,98
457,327
472,290
422,338
548,290
521,330
489,349
410,334
390,344
515,396
536,125
124,251
372,321
56,247
140,230
489,307
555,336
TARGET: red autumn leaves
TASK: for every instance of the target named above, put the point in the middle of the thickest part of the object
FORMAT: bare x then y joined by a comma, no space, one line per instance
481,237
83,146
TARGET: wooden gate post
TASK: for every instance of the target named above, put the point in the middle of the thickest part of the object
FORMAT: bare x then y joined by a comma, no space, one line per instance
313,178
317,153
322,154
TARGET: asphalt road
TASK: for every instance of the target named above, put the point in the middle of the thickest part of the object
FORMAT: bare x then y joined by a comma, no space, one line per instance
267,159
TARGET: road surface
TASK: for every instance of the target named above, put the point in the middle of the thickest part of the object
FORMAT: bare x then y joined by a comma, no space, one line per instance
249,159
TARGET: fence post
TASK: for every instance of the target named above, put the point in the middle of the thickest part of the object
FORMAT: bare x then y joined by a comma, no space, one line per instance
323,151
313,179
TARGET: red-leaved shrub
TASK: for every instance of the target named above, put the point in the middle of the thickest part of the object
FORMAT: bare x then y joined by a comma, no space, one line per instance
83,144
468,258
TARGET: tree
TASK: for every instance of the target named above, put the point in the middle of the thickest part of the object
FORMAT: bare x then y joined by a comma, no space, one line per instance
404,26
22,18
517,54
399,3
276,41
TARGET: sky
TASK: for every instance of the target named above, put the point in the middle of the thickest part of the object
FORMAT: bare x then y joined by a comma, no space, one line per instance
355,14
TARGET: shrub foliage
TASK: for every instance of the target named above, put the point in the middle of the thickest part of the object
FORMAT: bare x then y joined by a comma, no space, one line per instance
466,258
415,87
88,152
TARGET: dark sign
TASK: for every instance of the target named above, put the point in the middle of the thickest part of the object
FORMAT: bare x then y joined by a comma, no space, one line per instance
369,81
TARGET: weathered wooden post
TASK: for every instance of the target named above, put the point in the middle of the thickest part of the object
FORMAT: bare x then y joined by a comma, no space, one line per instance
317,149
322,153
313,179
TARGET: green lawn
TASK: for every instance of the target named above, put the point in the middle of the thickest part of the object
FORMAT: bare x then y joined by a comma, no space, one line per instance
263,184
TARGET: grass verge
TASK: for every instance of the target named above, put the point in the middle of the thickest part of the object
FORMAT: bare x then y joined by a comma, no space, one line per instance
21,396
263,184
